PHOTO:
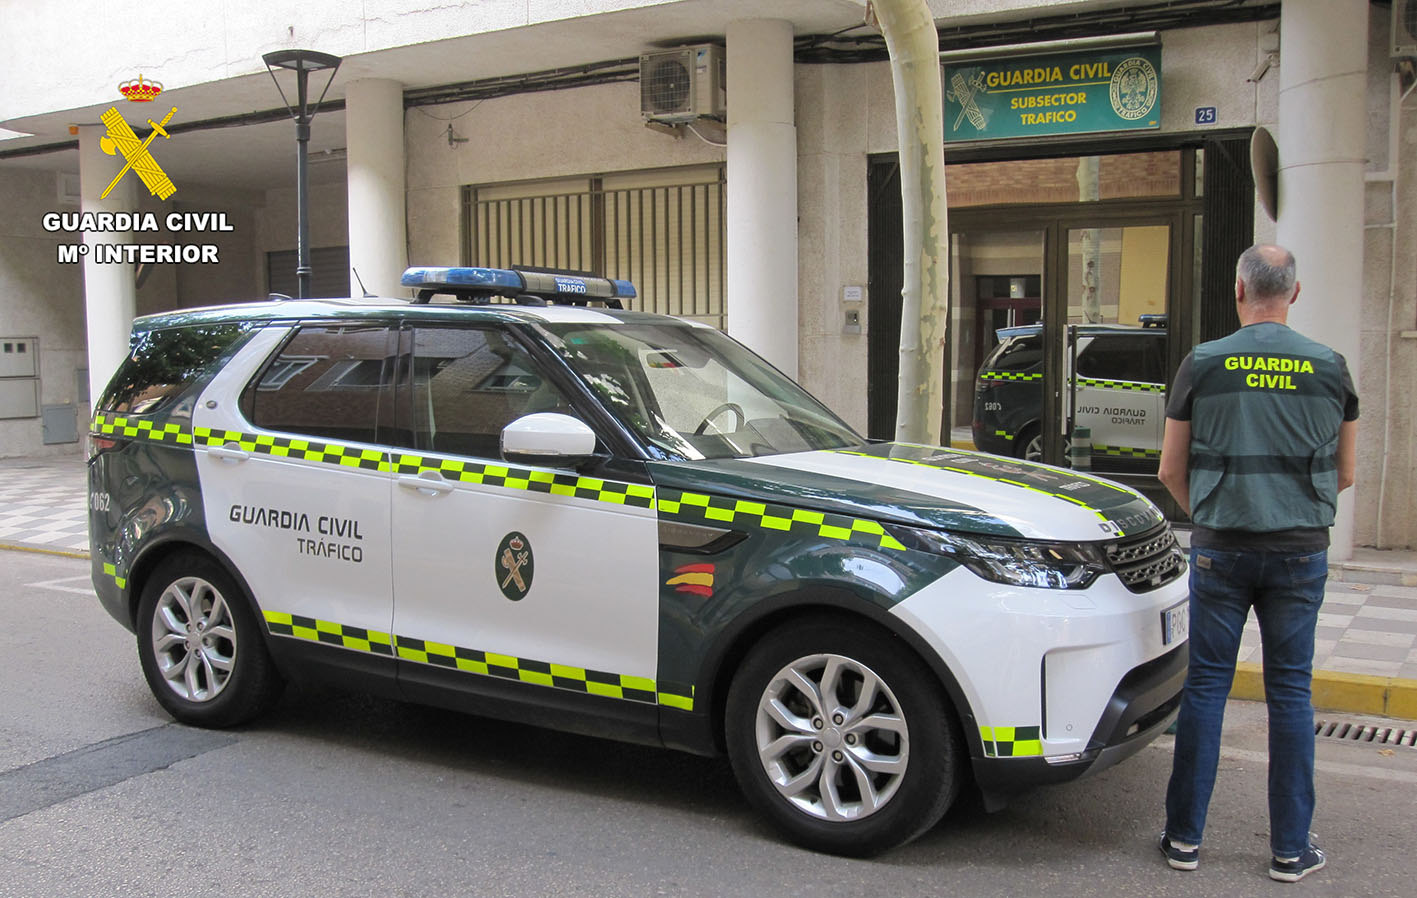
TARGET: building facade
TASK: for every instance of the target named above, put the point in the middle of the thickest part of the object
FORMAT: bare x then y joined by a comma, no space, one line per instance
500,133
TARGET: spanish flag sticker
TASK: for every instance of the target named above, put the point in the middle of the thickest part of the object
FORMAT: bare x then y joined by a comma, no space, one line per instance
693,578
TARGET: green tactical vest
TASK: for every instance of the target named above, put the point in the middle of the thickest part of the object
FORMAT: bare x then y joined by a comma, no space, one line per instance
1267,404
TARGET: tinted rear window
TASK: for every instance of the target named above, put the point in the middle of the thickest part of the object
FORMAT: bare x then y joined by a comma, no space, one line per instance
1018,354
1128,357
326,381
163,364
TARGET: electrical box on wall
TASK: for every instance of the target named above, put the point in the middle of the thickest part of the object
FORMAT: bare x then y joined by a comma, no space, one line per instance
17,357
19,377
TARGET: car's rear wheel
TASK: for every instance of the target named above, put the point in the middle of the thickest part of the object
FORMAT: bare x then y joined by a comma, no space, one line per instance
842,738
200,645
1028,445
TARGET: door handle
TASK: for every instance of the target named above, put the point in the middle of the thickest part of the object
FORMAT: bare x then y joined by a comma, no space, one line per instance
429,482
229,452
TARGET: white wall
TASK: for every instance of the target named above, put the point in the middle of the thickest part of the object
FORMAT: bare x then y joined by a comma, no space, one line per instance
583,131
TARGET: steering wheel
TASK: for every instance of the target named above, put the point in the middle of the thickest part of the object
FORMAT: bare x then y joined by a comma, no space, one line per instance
733,407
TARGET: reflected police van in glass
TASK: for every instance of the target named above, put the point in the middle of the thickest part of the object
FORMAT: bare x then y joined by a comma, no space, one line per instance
622,524
1119,393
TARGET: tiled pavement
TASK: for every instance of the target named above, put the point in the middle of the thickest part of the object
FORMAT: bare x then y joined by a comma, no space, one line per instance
44,503
1368,624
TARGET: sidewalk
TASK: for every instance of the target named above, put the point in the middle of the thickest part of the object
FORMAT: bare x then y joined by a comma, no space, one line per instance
1365,656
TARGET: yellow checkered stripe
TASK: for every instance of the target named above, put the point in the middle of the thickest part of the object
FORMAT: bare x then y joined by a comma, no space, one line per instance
139,428
290,447
1121,385
356,638
1126,452
553,483
1012,742
111,570
1010,375
701,508
262,444
1005,434
482,663
1008,481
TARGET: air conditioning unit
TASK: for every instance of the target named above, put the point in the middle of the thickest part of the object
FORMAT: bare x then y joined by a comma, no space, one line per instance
683,84
1404,28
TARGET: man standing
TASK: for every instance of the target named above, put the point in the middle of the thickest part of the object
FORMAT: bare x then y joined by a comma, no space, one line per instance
1261,436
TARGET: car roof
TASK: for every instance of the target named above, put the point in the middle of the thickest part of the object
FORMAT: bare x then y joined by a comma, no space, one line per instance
382,309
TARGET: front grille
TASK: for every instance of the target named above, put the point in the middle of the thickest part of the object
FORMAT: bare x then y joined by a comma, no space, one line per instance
1146,562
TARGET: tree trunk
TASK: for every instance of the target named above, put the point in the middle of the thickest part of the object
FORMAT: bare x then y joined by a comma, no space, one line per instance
914,46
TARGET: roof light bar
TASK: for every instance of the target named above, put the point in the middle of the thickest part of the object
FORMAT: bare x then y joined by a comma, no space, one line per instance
479,285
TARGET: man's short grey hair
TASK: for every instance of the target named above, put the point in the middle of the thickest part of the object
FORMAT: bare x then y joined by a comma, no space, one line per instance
1267,272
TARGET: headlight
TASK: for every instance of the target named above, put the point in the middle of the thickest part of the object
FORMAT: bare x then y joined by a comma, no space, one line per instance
1017,562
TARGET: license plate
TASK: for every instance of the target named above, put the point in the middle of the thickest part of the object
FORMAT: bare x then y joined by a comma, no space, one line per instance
1175,623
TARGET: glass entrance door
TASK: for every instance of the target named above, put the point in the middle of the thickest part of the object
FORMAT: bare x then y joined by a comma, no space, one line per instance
997,285
1062,336
1114,345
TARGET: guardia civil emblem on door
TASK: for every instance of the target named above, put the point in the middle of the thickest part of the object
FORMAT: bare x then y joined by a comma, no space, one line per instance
514,566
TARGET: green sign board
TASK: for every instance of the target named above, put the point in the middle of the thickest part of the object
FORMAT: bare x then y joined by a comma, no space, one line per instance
1062,93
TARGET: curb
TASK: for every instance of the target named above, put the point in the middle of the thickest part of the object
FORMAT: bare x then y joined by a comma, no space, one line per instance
43,550
1334,691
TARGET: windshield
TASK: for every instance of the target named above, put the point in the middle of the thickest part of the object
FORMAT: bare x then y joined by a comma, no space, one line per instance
694,393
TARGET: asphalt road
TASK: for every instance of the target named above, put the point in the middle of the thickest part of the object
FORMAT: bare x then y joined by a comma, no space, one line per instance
340,795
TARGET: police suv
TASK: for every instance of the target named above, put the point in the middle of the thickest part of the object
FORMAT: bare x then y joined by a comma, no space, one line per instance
1119,392
519,505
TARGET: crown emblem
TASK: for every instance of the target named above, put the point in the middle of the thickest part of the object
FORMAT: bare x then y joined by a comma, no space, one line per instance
140,91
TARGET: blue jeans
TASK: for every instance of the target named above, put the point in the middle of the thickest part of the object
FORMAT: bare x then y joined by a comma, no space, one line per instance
1286,590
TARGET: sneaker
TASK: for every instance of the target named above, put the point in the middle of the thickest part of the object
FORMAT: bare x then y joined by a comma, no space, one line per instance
1179,858
1296,869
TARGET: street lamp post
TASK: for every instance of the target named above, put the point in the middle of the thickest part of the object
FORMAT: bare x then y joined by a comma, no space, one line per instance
302,62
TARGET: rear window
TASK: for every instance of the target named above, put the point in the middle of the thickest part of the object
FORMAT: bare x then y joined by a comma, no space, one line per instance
1126,357
326,381
1018,354
163,364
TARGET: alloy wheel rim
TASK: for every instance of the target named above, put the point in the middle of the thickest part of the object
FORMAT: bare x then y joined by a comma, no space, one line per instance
831,737
194,639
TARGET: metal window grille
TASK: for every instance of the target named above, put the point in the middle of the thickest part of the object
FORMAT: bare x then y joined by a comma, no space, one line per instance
663,230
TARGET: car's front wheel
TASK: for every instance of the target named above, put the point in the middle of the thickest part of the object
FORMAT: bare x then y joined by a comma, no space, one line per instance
200,646
842,738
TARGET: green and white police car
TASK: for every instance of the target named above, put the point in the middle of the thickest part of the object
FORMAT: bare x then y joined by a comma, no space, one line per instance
522,505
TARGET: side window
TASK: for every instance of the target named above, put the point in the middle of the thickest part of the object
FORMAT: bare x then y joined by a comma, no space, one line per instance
162,364
1018,354
326,381
1119,357
469,383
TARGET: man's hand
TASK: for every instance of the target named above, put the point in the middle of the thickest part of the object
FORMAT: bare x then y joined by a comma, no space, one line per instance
1346,456
1176,462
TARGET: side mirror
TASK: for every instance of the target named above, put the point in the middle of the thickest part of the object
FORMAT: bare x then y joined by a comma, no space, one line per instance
548,438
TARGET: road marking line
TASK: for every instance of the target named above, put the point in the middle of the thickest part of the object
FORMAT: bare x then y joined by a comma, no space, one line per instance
54,585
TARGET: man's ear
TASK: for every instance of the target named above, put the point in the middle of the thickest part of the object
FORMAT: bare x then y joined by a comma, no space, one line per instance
1296,293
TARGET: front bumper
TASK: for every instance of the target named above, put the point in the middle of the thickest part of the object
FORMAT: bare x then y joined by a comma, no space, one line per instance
1055,683
1142,708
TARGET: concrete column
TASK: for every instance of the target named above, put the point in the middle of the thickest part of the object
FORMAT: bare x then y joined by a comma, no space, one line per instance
110,291
762,191
1323,72
378,235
